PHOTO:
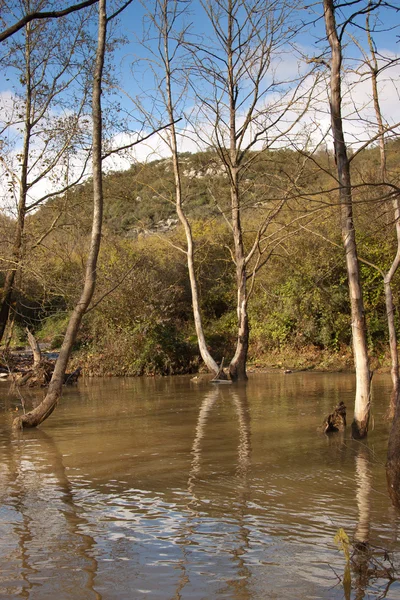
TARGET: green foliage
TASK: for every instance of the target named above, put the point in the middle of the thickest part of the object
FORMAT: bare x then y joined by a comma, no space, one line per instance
142,321
162,350
302,300
18,337
144,349
52,329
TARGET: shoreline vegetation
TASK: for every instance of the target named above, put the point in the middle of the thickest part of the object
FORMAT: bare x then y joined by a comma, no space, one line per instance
289,360
140,321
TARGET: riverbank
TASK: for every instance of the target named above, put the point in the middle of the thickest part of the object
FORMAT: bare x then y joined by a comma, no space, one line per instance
287,360
315,359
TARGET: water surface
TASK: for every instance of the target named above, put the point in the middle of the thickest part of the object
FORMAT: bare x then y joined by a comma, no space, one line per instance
166,489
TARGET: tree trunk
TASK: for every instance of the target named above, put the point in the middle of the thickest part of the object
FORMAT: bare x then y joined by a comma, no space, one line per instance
237,367
361,361
364,489
394,370
393,459
37,355
9,334
205,354
361,554
6,297
390,312
46,407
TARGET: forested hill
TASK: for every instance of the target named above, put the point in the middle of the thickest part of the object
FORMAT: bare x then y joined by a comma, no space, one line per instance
142,198
141,320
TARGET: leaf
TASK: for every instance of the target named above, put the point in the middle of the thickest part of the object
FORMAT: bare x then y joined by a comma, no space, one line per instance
342,541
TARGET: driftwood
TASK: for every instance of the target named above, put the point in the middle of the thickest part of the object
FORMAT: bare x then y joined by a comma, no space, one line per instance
336,421
39,373
221,375
37,376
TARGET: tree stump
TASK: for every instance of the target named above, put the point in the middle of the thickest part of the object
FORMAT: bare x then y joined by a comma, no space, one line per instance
335,421
71,378
221,375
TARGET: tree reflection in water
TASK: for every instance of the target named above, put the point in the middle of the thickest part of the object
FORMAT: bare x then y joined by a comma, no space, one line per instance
238,586
360,557
370,566
48,530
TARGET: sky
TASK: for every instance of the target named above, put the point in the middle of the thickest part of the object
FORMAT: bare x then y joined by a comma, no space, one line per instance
133,81
311,42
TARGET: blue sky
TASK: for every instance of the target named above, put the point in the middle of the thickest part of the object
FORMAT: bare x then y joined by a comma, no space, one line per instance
312,39
311,42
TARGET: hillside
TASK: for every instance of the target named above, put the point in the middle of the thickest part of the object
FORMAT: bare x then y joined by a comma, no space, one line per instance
142,320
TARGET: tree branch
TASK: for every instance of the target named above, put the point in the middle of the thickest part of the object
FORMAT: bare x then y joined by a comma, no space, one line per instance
55,14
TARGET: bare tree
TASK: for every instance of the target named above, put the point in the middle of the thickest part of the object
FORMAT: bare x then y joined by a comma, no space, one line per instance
375,69
358,324
35,15
53,63
165,17
245,106
46,407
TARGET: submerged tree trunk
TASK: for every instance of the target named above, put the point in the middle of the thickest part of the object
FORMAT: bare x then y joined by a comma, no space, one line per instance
46,407
358,324
362,552
393,460
237,367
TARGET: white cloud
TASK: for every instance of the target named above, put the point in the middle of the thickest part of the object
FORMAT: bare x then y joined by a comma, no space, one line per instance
358,110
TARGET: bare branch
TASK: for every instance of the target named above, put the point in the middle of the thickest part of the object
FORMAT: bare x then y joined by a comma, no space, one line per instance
55,14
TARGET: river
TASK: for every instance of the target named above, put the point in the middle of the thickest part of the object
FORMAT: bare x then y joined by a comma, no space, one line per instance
166,489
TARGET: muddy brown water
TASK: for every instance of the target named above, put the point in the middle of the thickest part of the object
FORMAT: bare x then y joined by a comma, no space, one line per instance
166,489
